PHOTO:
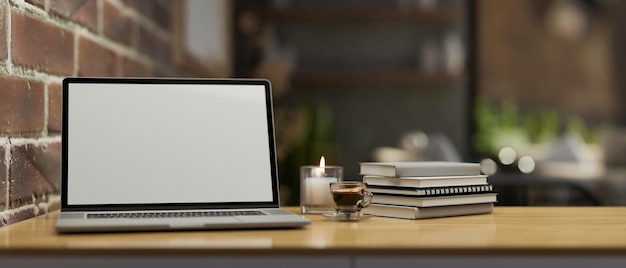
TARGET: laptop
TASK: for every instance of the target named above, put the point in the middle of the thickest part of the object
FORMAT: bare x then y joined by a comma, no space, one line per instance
150,154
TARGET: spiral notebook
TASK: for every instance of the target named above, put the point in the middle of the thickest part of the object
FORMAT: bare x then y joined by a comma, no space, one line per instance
431,191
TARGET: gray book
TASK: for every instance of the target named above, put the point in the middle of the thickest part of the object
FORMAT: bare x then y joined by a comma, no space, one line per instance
419,168
437,201
413,213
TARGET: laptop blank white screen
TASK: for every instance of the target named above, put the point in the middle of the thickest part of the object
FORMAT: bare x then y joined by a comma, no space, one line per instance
167,143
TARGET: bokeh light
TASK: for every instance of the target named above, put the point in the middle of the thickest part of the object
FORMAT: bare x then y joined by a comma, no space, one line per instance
526,164
488,166
507,155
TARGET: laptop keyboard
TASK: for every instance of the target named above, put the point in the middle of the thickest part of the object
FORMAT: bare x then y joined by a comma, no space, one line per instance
194,214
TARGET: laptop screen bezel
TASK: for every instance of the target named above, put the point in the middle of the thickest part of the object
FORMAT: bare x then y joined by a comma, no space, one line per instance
65,206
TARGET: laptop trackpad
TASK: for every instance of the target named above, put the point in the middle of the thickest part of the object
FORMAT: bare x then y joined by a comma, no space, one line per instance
201,222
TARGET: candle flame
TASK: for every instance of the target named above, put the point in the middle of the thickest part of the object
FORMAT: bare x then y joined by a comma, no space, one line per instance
322,162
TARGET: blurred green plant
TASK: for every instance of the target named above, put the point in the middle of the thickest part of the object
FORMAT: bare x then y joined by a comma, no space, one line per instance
485,126
576,125
506,125
542,126
317,140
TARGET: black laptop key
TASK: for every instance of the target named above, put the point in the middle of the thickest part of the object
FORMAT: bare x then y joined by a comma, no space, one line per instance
194,214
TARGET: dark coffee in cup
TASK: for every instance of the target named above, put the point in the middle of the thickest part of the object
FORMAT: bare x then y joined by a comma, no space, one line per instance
347,197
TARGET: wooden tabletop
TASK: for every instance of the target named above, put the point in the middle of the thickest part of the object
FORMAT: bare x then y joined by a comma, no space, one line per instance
508,230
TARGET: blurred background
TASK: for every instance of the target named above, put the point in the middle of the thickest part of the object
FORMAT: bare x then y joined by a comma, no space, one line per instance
530,89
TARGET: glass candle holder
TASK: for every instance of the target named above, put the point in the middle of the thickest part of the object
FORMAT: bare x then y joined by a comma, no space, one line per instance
315,197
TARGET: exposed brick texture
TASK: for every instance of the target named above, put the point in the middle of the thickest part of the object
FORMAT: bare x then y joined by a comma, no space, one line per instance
3,31
153,46
35,173
19,215
55,106
53,39
117,25
46,158
160,14
21,105
156,11
84,12
29,211
41,3
29,35
132,68
3,177
94,59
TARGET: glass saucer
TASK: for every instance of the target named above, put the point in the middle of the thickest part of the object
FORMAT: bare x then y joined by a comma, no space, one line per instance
357,216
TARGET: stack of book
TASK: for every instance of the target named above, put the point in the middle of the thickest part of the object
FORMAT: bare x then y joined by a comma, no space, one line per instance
427,189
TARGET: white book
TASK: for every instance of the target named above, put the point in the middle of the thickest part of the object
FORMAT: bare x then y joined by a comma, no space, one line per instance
413,213
425,181
419,168
434,201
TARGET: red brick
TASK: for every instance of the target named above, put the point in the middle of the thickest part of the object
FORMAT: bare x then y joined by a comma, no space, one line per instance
3,178
138,5
95,60
3,30
157,11
28,211
117,25
41,3
21,105
153,46
161,14
35,173
55,106
41,45
132,68
84,12
18,215
46,157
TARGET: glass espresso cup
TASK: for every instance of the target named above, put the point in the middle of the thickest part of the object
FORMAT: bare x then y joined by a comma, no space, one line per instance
349,198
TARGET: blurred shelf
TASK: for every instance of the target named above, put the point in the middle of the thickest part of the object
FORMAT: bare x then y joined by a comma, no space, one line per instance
365,13
345,13
414,24
371,77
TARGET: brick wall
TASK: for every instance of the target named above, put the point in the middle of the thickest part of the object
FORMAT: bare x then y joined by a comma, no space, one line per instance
43,41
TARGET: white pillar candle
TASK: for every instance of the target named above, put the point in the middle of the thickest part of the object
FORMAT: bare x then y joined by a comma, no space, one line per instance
315,182
318,190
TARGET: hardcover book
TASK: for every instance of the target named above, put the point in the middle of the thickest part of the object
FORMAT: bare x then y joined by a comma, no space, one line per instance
419,168
425,181
413,213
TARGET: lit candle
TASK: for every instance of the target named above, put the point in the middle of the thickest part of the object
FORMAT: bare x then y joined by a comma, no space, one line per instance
315,187
318,186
